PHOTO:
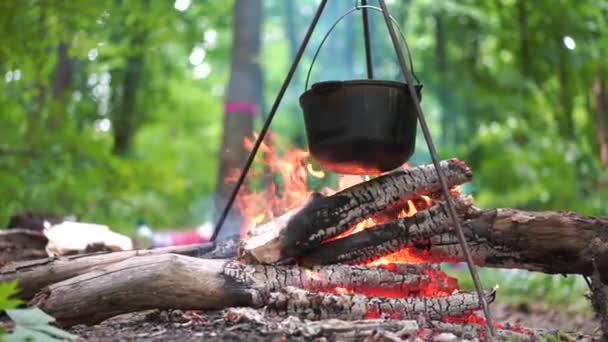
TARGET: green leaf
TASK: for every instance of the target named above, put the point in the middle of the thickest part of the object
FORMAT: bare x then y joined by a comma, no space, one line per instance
54,331
21,334
33,325
8,290
29,317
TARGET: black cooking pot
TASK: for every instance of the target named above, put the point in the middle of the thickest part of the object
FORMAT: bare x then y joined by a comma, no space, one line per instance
360,126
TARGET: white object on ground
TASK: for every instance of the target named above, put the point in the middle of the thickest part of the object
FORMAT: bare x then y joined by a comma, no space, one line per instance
206,230
70,237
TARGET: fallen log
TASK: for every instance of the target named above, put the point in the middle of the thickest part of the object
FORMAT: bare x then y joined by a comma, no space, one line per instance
321,305
323,217
35,274
171,281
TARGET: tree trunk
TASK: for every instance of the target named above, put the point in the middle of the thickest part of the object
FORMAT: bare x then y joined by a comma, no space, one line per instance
290,22
63,72
61,83
524,51
601,111
125,117
242,101
447,121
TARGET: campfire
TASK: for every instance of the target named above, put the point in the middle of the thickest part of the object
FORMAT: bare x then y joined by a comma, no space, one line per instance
356,255
361,260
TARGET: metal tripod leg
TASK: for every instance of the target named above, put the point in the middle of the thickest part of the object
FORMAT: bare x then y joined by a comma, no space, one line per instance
444,186
368,45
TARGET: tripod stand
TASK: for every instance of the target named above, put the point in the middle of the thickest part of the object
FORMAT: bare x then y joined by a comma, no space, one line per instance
364,7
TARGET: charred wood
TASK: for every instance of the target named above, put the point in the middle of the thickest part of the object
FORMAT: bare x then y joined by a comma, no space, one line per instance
320,305
380,240
394,280
322,217
556,242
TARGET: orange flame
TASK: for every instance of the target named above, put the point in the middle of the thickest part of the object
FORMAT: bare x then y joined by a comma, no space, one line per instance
293,169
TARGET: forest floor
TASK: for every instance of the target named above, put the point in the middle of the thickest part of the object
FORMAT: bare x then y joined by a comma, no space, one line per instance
211,326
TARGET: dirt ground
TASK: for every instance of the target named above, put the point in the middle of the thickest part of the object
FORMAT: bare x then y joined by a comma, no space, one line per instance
211,326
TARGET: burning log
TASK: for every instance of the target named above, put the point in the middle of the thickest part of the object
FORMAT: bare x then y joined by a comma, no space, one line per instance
393,280
172,281
550,242
322,217
556,242
381,240
320,305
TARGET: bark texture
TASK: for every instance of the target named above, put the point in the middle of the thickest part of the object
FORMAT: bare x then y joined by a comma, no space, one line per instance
325,217
167,281
35,274
171,281
395,280
552,241
319,305
556,242
381,240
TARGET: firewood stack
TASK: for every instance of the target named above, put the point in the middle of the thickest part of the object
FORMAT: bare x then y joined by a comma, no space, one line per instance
310,264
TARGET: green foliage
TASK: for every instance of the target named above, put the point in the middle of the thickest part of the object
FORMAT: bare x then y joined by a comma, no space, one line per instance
34,325
7,291
55,154
31,324
516,286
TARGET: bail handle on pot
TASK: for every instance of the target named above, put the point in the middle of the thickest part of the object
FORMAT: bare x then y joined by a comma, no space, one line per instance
358,7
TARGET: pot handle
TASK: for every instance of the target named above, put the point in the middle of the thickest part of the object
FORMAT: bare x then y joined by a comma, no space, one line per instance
333,26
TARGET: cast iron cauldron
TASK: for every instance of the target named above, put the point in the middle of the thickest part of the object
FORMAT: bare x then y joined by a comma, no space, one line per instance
360,126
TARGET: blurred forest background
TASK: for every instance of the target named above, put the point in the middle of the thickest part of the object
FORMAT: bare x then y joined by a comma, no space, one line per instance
114,110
